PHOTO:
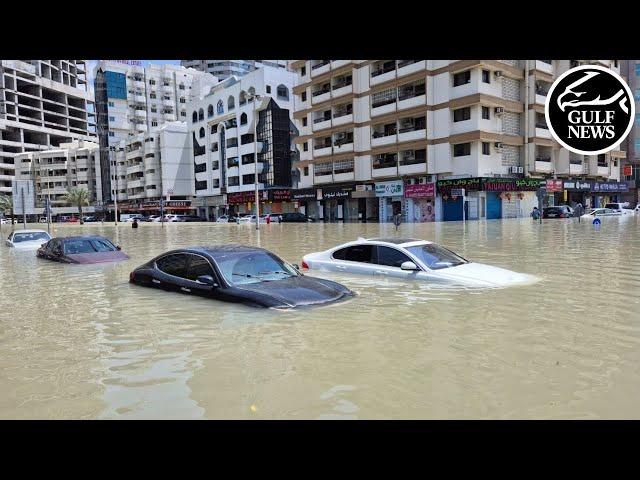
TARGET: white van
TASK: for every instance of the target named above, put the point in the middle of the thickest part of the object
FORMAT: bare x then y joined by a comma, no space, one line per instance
128,217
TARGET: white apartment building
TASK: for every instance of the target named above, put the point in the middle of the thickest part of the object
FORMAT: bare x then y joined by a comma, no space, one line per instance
223,69
154,165
56,171
376,130
221,127
43,103
133,99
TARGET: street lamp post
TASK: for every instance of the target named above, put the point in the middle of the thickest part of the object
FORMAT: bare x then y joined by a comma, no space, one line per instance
256,98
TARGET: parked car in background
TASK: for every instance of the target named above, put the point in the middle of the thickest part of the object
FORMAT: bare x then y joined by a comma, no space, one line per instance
27,239
295,217
81,249
190,218
129,217
226,219
270,218
411,259
67,219
561,211
4,221
637,209
602,212
238,274
171,217
42,220
242,219
90,219
622,208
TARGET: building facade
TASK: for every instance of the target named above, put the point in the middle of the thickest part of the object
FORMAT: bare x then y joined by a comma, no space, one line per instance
132,99
630,172
224,69
43,103
152,166
378,138
54,172
221,128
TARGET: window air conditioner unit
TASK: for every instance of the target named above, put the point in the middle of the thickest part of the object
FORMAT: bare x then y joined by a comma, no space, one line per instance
520,169
498,73
421,180
498,145
499,110
512,169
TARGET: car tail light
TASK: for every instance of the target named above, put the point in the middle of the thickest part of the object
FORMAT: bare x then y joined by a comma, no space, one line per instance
304,264
132,276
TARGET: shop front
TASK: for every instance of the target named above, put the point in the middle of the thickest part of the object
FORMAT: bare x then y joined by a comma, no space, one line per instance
211,207
337,204
279,201
575,191
487,197
365,195
153,207
390,199
244,202
606,192
420,202
305,201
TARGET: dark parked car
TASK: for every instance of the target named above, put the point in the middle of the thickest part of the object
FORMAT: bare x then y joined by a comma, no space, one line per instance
81,249
90,219
561,211
190,218
239,274
295,217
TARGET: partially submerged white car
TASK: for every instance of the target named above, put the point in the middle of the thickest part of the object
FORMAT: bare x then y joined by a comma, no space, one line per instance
27,239
411,259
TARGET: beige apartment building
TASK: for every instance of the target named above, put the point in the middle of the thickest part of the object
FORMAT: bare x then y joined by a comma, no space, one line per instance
381,137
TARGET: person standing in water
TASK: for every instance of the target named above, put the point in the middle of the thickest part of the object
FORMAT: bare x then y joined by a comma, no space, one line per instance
135,223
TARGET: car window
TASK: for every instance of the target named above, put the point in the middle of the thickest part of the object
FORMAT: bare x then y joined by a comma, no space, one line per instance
76,246
198,266
436,257
175,264
253,267
391,257
612,205
103,245
356,253
28,237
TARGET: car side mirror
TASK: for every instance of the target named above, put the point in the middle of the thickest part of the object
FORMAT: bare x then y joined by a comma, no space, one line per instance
409,266
206,280
118,247
296,266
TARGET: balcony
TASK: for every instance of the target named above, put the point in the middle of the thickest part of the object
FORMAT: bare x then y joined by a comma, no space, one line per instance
322,150
323,177
603,171
342,145
383,72
169,117
137,168
544,66
321,95
542,164
342,118
576,168
140,113
167,102
138,84
384,136
141,127
322,66
321,123
542,131
411,96
134,152
139,99
136,183
407,67
414,132
383,108
413,168
339,63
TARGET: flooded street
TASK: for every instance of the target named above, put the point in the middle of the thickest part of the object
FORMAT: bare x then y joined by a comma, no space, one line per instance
81,342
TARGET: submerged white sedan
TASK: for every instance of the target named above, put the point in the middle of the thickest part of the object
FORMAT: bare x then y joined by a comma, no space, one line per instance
411,259
27,239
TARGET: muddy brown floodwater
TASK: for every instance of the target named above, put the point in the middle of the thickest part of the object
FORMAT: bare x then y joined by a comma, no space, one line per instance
81,342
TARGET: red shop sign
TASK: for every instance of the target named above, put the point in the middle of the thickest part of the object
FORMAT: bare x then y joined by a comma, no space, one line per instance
554,185
421,190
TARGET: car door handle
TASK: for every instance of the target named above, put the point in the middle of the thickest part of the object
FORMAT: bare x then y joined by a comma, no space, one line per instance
341,267
382,272
156,281
185,289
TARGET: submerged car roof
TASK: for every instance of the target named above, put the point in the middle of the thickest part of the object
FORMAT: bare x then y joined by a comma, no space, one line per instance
218,250
80,237
397,241
30,231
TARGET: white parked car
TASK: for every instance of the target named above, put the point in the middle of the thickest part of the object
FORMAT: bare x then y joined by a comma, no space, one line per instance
602,212
4,221
27,239
622,208
247,219
637,209
411,259
223,219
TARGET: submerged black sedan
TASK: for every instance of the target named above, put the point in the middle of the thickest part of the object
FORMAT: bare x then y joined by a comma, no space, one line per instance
81,249
239,274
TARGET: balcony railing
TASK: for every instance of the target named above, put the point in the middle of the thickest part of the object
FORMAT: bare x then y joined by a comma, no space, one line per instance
385,133
412,128
404,63
411,92
343,141
543,159
321,64
386,67
383,101
342,112
321,119
320,92
385,162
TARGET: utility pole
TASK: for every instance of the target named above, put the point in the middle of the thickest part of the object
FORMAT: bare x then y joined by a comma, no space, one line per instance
255,160
24,212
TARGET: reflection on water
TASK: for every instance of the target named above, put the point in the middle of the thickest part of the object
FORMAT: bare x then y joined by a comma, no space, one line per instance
81,342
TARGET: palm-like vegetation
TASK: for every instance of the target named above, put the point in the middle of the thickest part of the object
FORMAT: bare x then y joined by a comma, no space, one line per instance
78,197
6,205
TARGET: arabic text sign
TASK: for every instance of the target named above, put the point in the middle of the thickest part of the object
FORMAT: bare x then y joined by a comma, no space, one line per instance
422,190
390,189
554,186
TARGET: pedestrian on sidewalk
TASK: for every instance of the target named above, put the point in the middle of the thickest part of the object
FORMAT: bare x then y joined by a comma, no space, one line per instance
535,214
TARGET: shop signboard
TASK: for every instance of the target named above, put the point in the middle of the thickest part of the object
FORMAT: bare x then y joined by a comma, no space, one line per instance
421,190
236,198
606,187
330,193
577,185
469,184
554,185
394,188
304,194
627,170
489,184
279,195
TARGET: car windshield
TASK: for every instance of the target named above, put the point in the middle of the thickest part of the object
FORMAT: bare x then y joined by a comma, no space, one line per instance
72,247
253,267
436,257
29,237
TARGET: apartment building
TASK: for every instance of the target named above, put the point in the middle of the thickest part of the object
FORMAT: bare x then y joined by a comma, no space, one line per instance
133,99
630,173
152,166
43,103
54,172
223,69
222,125
385,137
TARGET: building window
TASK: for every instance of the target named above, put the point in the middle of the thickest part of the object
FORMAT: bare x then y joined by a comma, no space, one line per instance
214,128
282,92
304,121
201,132
154,123
152,82
305,146
183,100
268,88
461,149
112,119
243,119
200,114
112,104
306,171
486,150
303,71
183,113
194,117
462,78
485,113
303,96
220,107
111,134
486,77
462,114
181,87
